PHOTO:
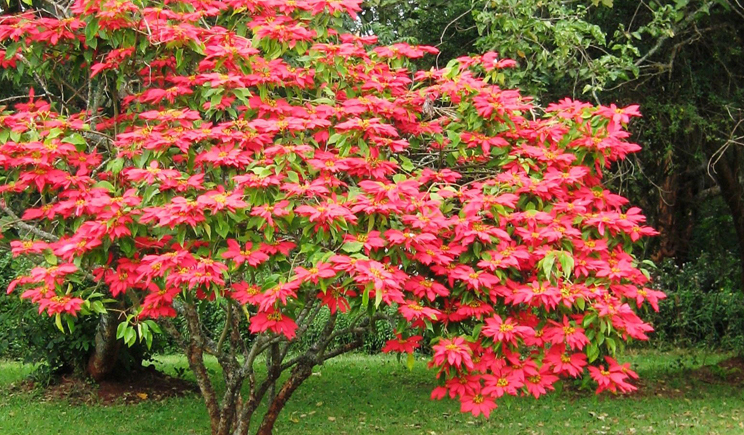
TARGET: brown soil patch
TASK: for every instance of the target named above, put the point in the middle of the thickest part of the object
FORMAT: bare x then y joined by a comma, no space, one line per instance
143,385
730,371
658,388
677,385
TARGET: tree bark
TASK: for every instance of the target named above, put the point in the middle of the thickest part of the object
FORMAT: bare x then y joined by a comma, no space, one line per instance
727,176
195,355
300,372
106,353
675,221
667,204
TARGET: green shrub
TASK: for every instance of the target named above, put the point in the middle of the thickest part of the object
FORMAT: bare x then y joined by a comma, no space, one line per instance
34,339
26,336
374,339
704,305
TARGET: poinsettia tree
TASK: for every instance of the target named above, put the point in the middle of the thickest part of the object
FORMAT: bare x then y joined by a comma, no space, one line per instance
249,155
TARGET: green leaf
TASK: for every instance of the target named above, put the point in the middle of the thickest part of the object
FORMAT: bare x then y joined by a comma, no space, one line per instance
154,326
91,32
588,320
53,133
547,264
365,297
106,185
409,361
269,233
223,229
58,322
581,304
70,323
50,258
406,164
115,166
181,235
12,50
567,263
352,247
120,330
97,307
179,57
611,345
334,138
592,353
75,139
130,336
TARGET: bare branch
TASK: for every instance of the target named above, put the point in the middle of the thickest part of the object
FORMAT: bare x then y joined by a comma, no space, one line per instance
662,40
441,37
18,223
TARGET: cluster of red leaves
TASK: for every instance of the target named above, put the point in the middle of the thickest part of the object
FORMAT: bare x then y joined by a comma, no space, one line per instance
274,162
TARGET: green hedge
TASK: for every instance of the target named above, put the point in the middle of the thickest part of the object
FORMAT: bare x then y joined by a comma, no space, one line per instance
704,305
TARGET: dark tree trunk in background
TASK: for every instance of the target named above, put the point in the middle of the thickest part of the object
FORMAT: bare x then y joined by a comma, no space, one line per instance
727,171
102,361
676,205
667,204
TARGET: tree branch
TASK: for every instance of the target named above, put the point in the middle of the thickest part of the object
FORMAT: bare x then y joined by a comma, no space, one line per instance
662,40
18,223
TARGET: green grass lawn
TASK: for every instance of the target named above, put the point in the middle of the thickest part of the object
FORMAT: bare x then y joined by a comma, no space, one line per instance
360,394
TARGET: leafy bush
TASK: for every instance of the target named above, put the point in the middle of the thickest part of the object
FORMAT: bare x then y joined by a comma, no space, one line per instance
26,336
374,339
34,339
705,306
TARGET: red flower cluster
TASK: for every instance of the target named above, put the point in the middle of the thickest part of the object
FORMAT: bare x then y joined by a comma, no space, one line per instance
278,165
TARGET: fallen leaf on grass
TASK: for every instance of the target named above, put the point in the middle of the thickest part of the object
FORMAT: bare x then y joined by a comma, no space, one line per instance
600,417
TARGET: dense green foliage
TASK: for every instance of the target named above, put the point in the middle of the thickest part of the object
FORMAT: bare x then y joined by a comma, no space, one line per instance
705,307
36,340
26,336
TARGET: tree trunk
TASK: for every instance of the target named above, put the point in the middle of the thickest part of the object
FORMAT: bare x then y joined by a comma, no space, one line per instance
106,353
675,221
667,204
301,372
727,175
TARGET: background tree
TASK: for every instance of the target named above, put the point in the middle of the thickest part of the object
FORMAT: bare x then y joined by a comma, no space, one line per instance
448,25
675,58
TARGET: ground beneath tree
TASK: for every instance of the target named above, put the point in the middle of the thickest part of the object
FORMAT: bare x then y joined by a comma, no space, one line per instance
729,372
139,386
149,384
674,384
